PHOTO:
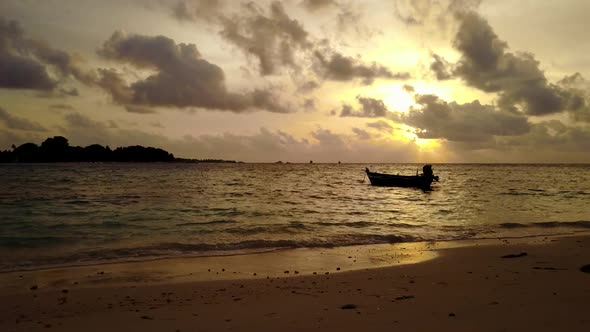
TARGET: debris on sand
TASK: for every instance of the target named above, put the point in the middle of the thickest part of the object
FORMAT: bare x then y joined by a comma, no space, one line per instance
522,254
348,306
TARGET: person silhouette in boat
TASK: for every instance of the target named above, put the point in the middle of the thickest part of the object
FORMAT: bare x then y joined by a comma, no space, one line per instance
427,171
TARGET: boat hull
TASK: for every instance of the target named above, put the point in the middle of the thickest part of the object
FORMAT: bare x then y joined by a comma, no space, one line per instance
388,180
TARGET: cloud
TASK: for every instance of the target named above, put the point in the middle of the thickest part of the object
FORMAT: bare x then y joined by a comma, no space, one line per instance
309,105
381,125
308,86
440,67
437,12
32,64
207,10
78,120
370,108
182,77
470,122
408,88
487,65
262,146
139,109
315,5
361,133
546,141
579,88
13,122
272,38
338,67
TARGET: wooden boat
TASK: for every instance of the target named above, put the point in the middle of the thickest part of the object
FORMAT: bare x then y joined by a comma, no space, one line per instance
423,180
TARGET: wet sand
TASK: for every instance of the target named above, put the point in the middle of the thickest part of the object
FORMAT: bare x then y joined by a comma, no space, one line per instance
540,284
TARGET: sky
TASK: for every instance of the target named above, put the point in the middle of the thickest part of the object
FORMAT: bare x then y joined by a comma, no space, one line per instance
297,80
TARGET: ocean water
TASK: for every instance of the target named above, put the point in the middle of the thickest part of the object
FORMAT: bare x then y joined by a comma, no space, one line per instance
71,214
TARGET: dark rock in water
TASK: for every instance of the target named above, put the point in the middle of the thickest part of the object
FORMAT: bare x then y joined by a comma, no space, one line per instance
146,317
452,314
585,268
404,297
34,287
522,254
348,306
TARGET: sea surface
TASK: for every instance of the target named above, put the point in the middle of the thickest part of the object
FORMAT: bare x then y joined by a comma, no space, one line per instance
73,214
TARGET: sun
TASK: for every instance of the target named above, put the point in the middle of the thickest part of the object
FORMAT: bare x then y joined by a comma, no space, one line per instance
393,95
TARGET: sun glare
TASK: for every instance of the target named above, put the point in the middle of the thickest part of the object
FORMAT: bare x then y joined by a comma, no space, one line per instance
393,95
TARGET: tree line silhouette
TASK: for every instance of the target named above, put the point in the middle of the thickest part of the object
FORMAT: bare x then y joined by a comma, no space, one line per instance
58,149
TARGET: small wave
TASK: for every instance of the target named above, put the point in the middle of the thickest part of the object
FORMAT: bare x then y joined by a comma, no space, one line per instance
174,249
77,202
548,224
32,241
512,225
403,225
357,213
552,224
353,224
212,222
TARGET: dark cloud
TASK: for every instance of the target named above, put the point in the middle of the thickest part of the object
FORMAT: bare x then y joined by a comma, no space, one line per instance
437,12
13,122
408,88
338,67
381,125
32,64
182,79
10,137
314,5
22,73
361,133
308,86
575,80
139,109
485,64
369,108
546,141
272,38
579,101
351,23
440,67
470,122
58,93
309,105
208,10
78,120
72,92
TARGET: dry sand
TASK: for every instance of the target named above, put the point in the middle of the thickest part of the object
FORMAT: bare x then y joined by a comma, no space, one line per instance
469,288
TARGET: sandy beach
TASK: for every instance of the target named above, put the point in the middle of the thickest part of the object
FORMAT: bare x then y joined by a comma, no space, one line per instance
537,284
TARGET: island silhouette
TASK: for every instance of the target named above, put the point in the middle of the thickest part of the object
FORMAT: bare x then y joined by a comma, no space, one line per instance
57,149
